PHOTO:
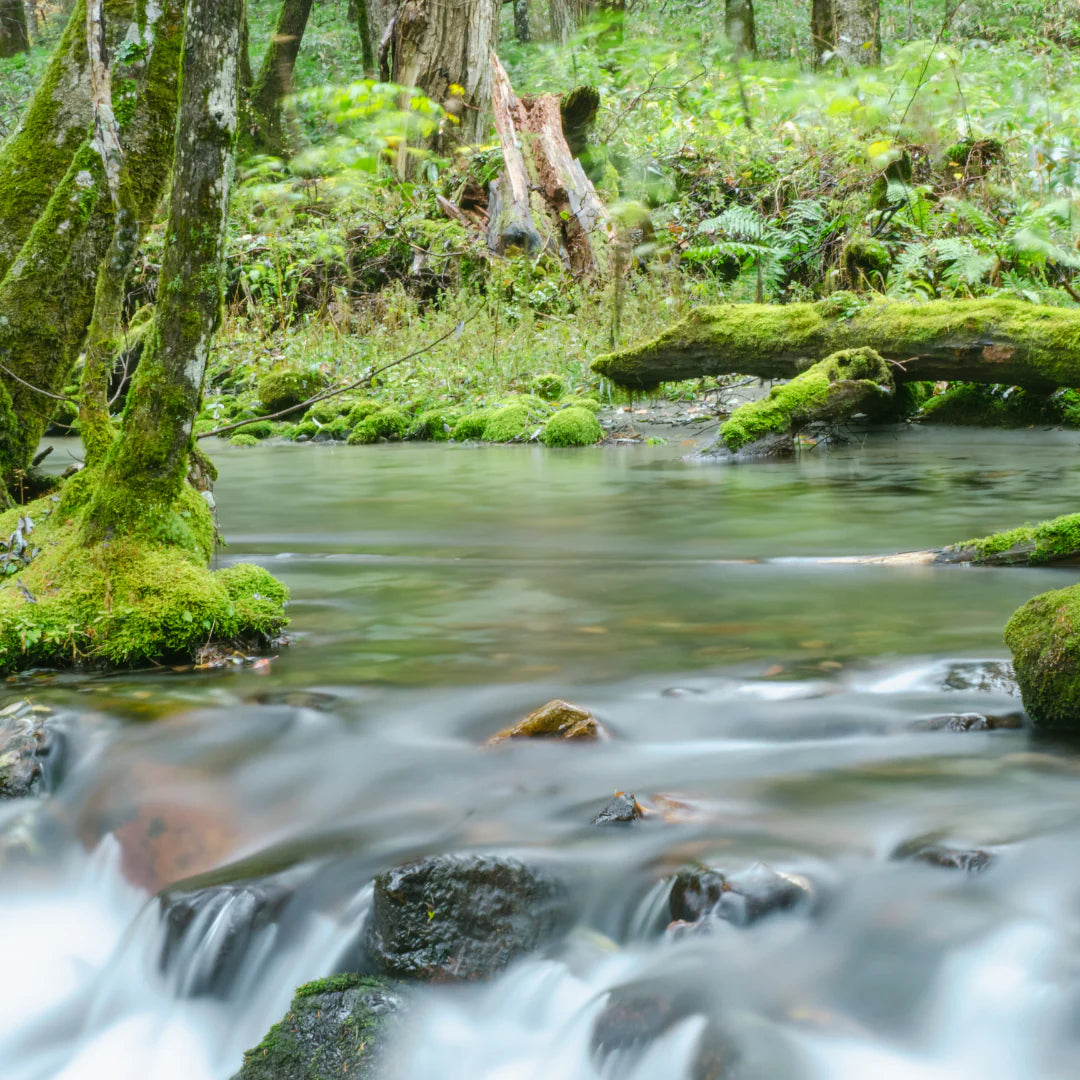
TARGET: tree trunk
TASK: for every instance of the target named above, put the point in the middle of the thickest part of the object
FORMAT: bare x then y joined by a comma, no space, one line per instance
148,465
849,29
565,16
47,295
739,26
436,45
274,81
359,17
989,341
14,34
521,20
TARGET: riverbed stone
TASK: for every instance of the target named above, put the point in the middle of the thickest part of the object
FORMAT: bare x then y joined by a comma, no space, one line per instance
970,860
622,808
741,898
462,917
981,676
336,1027
972,721
555,720
25,745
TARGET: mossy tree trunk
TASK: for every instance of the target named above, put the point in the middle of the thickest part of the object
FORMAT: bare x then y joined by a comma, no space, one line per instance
739,26
436,45
47,294
275,79
14,33
146,468
989,341
359,17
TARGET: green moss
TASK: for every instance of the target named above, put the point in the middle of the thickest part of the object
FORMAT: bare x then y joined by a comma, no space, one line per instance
435,424
572,427
336,984
260,429
282,388
1045,542
508,424
548,386
580,403
339,429
912,396
471,425
866,261
989,405
359,411
808,396
307,428
1044,636
142,596
387,424
243,439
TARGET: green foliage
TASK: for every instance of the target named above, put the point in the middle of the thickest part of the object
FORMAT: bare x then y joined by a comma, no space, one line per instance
572,427
388,423
241,439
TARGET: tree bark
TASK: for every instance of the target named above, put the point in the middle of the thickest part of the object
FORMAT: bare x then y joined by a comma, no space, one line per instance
14,34
47,294
436,45
521,20
359,17
565,16
275,79
739,26
148,465
849,29
990,341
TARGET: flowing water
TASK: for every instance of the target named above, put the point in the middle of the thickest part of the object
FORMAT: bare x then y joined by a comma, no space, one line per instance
774,706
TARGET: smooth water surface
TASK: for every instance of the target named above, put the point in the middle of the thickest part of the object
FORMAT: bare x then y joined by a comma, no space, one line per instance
439,593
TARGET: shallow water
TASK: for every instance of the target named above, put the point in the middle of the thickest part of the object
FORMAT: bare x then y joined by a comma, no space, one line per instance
441,592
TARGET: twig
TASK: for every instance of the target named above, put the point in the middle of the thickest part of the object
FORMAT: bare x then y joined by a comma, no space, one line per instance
325,395
37,389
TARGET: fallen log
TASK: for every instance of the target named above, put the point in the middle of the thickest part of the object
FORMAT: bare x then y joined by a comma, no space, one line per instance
989,341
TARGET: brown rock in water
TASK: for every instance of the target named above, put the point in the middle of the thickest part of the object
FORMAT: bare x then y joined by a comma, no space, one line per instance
555,720
25,743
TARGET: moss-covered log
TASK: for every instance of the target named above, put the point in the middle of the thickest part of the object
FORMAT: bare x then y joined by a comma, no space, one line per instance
847,382
47,295
990,341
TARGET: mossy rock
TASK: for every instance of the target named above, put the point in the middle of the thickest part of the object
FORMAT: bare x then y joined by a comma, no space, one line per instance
361,410
335,1027
306,428
511,423
1030,545
435,424
326,412
580,403
339,430
243,439
572,427
548,386
866,260
259,429
389,423
1044,636
142,595
989,405
471,425
283,388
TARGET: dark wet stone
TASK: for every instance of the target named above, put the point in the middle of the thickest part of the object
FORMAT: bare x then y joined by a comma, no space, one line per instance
636,1016
620,809
462,916
972,722
986,677
971,860
769,446
25,746
555,720
336,1027
740,898
681,691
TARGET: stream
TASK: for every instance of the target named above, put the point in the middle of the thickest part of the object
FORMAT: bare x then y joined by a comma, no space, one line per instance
775,705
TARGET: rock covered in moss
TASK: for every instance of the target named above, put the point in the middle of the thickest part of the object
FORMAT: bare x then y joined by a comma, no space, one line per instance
1028,545
511,423
360,410
572,427
435,423
556,720
335,1027
388,423
1044,636
282,388
462,916
471,425
242,438
580,403
548,386
25,746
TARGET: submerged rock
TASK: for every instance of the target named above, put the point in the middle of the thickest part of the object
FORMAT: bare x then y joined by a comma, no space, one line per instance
336,1027
982,676
740,899
971,860
555,720
623,807
972,721
25,746
462,916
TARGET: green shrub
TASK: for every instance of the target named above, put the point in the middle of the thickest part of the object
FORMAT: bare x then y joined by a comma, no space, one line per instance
548,386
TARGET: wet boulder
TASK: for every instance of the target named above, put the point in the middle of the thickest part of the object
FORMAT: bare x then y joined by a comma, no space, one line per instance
972,721
335,1027
970,860
740,899
26,745
555,720
621,809
462,916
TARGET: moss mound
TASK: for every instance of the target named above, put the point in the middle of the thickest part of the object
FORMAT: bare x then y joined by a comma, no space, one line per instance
572,427
508,424
139,597
435,424
990,405
471,425
547,386
359,411
243,439
1044,636
813,394
282,389
1046,542
386,424
580,403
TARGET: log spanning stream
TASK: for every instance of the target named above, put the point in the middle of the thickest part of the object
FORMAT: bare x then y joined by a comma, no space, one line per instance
772,707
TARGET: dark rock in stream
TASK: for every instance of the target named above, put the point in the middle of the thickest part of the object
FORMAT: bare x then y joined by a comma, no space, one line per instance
26,745
336,1027
462,916
983,676
970,860
740,899
972,721
769,447
621,809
